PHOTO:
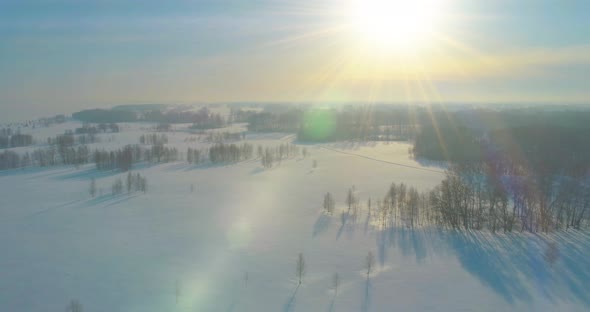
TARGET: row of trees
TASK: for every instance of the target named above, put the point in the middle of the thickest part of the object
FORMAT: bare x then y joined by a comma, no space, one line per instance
472,198
230,153
15,140
44,157
269,155
124,158
153,139
220,137
134,183
194,156
348,123
201,119
100,128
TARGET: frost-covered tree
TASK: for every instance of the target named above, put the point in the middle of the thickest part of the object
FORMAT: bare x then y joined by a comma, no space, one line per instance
300,267
92,188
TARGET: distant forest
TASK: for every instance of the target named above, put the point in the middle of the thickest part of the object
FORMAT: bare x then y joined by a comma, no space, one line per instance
201,119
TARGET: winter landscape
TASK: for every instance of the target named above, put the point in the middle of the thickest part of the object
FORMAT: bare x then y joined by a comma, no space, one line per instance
226,236
294,155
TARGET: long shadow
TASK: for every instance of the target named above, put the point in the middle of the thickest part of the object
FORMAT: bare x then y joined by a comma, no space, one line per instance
290,304
432,163
47,171
85,174
49,209
257,170
121,200
366,303
514,265
381,240
343,220
234,302
367,223
484,260
331,306
321,225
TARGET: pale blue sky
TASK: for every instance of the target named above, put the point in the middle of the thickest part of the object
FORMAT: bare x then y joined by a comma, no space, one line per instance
62,56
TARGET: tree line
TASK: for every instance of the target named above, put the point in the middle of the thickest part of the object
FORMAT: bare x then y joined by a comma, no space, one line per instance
201,119
63,152
9,139
475,197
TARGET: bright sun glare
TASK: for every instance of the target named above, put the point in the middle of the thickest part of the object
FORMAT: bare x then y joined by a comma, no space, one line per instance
402,25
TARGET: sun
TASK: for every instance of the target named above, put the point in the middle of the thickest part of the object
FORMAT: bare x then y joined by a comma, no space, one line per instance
403,25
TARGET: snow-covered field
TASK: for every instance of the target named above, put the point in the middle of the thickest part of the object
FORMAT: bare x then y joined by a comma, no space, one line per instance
232,243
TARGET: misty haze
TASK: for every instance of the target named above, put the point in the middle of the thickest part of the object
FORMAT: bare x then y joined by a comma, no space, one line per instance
325,155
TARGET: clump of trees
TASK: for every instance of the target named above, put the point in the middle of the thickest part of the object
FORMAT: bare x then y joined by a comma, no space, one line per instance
100,128
10,139
194,156
287,121
121,159
133,183
269,155
230,153
153,139
10,160
117,187
124,158
136,183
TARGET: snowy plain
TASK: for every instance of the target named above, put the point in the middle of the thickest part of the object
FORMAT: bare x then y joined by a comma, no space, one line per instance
231,243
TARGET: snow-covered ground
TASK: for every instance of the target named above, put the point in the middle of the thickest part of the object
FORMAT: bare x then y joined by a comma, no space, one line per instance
232,243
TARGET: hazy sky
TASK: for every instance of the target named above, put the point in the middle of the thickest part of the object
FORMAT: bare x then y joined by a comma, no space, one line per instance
62,56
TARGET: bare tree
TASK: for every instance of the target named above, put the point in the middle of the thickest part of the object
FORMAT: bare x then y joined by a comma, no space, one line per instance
300,267
370,263
335,283
92,189
74,306
328,203
350,198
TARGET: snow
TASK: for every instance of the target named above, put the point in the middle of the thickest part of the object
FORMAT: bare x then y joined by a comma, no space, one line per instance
128,253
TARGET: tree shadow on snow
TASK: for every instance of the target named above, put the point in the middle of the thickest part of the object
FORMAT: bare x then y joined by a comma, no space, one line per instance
366,303
331,306
513,265
321,225
257,170
290,304
343,221
50,209
86,174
